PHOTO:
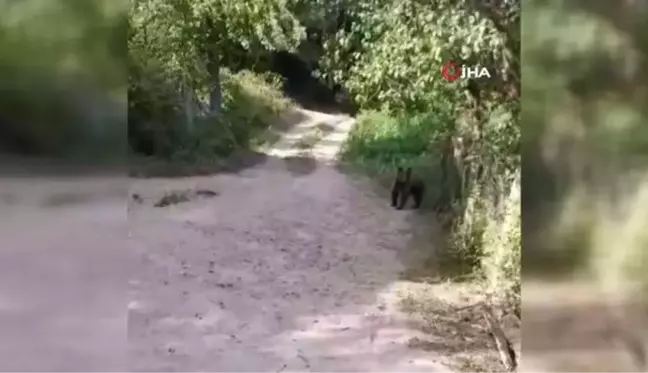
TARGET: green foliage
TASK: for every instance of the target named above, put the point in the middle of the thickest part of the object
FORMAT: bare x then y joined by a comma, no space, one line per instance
502,257
62,83
183,38
386,63
251,104
177,50
382,142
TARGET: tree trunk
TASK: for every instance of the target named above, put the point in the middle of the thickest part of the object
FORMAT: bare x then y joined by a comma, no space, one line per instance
215,95
188,106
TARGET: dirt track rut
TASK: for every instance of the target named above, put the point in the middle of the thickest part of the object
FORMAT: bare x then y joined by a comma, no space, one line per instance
289,268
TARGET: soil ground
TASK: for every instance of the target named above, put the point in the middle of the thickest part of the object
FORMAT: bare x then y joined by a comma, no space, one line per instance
285,264
290,265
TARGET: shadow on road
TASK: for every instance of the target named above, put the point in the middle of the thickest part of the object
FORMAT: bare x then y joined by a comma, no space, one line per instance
300,165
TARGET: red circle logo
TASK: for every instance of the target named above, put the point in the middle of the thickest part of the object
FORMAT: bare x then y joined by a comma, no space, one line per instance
451,71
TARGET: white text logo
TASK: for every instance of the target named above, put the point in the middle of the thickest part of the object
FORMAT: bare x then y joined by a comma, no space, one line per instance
451,71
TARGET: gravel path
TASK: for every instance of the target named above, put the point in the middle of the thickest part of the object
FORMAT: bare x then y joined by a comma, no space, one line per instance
292,266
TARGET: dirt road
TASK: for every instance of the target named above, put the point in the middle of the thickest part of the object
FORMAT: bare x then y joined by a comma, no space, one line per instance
291,266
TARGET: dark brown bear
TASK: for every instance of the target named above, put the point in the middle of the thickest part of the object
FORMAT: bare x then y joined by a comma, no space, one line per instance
404,186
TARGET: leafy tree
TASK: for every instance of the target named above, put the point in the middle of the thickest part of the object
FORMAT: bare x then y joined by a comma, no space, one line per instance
177,49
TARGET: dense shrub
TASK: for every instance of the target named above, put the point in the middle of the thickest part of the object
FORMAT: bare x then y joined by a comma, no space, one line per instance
250,104
381,141
183,101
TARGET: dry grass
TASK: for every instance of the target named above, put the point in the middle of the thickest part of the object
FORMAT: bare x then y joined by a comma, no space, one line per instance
450,316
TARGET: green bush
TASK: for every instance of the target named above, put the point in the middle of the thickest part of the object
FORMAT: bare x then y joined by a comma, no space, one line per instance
251,103
381,141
